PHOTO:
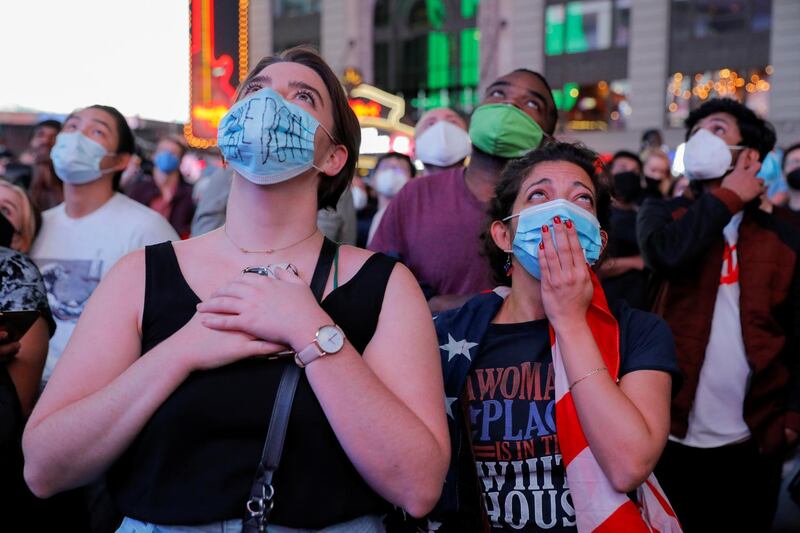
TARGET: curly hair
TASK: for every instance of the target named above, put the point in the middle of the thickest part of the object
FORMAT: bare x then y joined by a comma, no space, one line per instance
511,179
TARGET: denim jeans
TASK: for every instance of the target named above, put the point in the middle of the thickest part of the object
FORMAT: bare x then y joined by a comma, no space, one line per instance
364,524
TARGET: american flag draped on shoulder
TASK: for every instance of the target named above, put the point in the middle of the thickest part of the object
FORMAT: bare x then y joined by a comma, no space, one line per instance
598,507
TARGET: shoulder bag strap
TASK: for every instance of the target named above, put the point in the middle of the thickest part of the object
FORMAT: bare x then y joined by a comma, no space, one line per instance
260,503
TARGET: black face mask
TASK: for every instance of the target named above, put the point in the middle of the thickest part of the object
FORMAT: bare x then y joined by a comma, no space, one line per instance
627,187
793,179
6,231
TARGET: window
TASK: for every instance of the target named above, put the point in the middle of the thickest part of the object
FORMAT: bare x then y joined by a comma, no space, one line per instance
685,91
575,27
622,23
381,60
713,17
428,51
414,69
418,15
470,57
761,19
700,19
594,106
382,13
294,8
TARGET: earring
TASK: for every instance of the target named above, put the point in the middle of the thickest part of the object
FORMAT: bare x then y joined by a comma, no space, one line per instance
508,267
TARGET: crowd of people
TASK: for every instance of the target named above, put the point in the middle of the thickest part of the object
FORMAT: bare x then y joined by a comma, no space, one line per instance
505,332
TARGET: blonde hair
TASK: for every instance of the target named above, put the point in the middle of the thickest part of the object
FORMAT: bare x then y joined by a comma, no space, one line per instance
654,152
28,228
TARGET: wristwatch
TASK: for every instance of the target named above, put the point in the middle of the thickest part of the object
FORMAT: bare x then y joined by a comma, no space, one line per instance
329,340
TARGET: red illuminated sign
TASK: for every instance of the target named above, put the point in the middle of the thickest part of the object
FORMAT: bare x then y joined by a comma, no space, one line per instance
365,108
213,72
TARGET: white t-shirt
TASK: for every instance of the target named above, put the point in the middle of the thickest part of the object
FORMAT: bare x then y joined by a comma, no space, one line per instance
716,418
74,254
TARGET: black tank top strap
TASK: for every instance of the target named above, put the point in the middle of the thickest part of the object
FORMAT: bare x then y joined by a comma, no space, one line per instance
364,291
323,268
375,277
165,288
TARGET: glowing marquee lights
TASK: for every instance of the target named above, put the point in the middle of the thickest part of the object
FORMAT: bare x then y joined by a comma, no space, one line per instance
379,114
210,77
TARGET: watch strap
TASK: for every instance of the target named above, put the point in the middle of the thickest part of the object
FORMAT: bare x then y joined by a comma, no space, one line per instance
309,354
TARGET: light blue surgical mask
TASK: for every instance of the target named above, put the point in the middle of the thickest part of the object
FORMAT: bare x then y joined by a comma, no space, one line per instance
267,139
529,232
76,158
166,161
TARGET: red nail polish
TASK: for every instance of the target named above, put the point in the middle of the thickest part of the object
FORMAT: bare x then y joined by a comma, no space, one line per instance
568,224
545,229
556,219
541,245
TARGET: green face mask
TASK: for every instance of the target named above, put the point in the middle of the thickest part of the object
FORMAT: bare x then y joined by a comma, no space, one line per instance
504,130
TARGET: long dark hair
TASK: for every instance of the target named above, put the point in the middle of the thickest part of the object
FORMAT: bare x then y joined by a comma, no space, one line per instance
511,180
346,129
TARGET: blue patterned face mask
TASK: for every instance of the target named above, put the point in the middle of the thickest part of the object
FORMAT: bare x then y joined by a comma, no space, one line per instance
529,232
267,139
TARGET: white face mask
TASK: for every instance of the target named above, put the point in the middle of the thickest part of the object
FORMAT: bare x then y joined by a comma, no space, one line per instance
706,156
76,158
443,144
389,181
359,198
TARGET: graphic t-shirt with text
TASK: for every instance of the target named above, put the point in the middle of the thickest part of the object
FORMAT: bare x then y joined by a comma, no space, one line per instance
511,397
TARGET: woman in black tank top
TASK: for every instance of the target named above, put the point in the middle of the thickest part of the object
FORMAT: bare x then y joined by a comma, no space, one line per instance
165,387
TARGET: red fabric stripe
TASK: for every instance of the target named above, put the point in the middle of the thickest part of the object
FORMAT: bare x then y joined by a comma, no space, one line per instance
626,519
605,329
571,439
663,501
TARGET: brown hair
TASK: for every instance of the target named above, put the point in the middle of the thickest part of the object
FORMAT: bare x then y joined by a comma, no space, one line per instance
346,129
178,141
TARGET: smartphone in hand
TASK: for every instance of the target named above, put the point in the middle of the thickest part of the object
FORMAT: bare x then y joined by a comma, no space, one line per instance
17,323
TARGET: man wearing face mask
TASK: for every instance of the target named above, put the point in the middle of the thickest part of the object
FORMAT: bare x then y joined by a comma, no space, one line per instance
434,224
82,238
392,172
441,140
730,291
167,192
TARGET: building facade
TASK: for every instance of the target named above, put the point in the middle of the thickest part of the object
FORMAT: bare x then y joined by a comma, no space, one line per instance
617,67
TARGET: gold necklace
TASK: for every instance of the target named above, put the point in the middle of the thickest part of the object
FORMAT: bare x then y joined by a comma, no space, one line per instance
268,250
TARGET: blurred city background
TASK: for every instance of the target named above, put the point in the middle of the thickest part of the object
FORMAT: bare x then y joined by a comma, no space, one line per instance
617,67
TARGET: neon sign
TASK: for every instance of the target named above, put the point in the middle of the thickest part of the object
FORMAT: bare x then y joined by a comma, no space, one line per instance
215,53
365,108
379,114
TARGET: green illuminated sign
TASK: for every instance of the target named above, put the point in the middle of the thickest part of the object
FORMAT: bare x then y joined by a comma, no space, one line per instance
567,97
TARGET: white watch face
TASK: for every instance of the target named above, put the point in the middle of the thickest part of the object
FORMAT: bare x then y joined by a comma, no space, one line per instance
330,339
